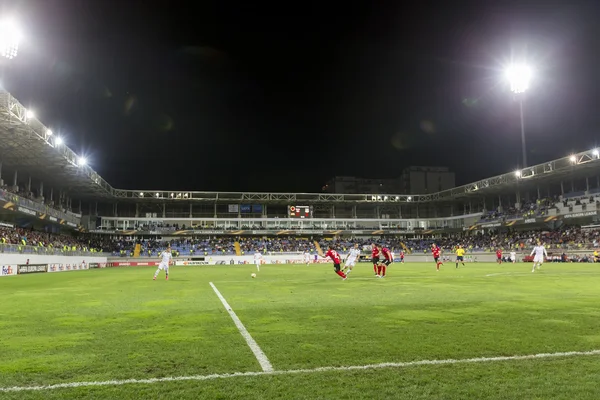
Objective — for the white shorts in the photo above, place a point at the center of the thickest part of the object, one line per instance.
(351, 262)
(512, 259)
(538, 259)
(164, 266)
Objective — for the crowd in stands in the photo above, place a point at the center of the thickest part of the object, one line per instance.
(531, 209)
(563, 239)
(567, 238)
(539, 207)
(25, 239)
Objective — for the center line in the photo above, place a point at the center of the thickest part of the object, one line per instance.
(264, 362)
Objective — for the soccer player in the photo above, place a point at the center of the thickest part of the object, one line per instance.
(540, 253)
(353, 256)
(387, 260)
(513, 256)
(307, 258)
(375, 258)
(435, 251)
(460, 256)
(402, 256)
(167, 259)
(257, 258)
(335, 257)
(499, 255)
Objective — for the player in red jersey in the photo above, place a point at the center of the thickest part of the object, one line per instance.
(499, 255)
(435, 250)
(375, 258)
(387, 260)
(402, 256)
(335, 257)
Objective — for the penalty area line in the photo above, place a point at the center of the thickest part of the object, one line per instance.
(261, 357)
(479, 360)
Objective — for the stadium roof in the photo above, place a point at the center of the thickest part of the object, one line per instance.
(28, 146)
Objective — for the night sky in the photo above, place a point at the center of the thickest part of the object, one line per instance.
(232, 97)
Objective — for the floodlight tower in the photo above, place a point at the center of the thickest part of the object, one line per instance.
(519, 77)
(10, 36)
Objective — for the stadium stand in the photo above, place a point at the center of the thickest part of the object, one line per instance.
(565, 238)
(21, 240)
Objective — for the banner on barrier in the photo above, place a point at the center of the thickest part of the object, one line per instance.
(67, 267)
(133, 264)
(184, 263)
(8, 270)
(31, 268)
(97, 265)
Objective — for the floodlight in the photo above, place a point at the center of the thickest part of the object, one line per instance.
(82, 161)
(30, 114)
(49, 132)
(519, 77)
(409, 198)
(518, 174)
(10, 36)
(141, 194)
(573, 159)
(157, 194)
(58, 140)
(595, 153)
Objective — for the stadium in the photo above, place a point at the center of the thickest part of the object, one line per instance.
(214, 328)
(391, 282)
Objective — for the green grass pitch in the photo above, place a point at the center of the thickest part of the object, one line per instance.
(117, 324)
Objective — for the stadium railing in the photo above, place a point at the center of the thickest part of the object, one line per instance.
(39, 207)
(46, 251)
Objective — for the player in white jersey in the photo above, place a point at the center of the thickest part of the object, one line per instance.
(166, 259)
(257, 258)
(513, 256)
(352, 258)
(307, 258)
(538, 258)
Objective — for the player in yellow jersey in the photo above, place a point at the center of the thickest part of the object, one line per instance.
(596, 256)
(460, 256)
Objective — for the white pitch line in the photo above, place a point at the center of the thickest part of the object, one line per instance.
(264, 362)
(300, 371)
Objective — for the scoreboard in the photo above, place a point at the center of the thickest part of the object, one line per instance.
(300, 211)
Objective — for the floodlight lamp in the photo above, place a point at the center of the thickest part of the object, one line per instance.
(409, 198)
(157, 194)
(82, 161)
(10, 36)
(596, 153)
(141, 194)
(519, 77)
(58, 141)
(518, 174)
(373, 198)
(48, 132)
(573, 159)
(30, 114)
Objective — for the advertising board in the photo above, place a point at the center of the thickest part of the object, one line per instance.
(31, 268)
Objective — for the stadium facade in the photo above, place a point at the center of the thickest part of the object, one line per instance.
(45, 182)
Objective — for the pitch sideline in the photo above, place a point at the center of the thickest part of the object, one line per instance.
(300, 371)
(261, 357)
